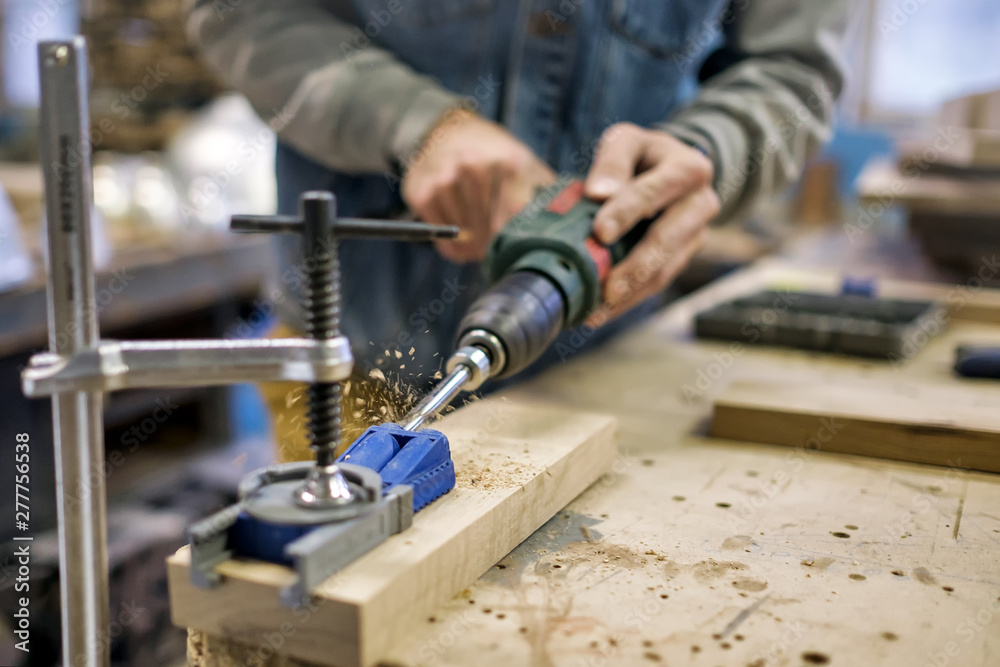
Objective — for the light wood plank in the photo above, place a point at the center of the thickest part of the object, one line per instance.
(884, 183)
(942, 425)
(517, 466)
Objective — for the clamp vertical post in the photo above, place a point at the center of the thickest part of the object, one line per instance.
(78, 427)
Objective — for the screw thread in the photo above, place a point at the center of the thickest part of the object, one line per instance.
(322, 310)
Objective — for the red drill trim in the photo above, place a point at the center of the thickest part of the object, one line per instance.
(564, 202)
(601, 256)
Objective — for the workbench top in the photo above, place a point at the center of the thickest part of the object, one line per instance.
(695, 551)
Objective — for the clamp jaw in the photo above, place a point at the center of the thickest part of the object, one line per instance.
(393, 474)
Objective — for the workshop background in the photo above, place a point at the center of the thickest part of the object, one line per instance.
(165, 135)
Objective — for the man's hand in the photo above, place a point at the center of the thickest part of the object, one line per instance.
(639, 173)
(474, 174)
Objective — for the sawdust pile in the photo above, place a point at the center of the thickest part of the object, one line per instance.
(206, 650)
(493, 474)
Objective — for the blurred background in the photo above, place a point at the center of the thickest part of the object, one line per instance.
(175, 155)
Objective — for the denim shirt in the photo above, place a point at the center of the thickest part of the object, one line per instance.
(353, 86)
(556, 73)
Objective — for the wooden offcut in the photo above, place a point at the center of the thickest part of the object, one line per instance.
(958, 427)
(516, 467)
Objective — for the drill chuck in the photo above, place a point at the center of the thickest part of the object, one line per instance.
(514, 322)
(506, 329)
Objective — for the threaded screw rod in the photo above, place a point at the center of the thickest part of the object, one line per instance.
(322, 317)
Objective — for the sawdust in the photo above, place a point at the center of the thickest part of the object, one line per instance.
(377, 400)
(750, 585)
(709, 570)
(737, 542)
(493, 474)
(604, 551)
(205, 650)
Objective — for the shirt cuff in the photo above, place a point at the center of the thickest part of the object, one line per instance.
(422, 114)
(724, 141)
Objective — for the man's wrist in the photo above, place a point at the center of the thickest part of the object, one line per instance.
(701, 142)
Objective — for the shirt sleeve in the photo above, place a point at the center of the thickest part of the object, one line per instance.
(767, 96)
(318, 82)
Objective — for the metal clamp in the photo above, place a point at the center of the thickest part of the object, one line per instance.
(117, 365)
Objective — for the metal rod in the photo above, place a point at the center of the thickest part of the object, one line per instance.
(77, 420)
(438, 398)
(347, 228)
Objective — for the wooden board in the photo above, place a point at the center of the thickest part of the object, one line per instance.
(516, 467)
(963, 148)
(882, 183)
(921, 424)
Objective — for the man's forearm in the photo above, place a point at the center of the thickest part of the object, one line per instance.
(771, 109)
(329, 92)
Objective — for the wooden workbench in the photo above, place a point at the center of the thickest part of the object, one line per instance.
(694, 551)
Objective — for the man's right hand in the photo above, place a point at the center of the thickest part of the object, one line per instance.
(472, 173)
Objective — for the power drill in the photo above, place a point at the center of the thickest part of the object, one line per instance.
(546, 271)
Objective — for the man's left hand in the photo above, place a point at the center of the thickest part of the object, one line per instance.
(641, 173)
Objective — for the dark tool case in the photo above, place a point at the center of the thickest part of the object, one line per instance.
(849, 324)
